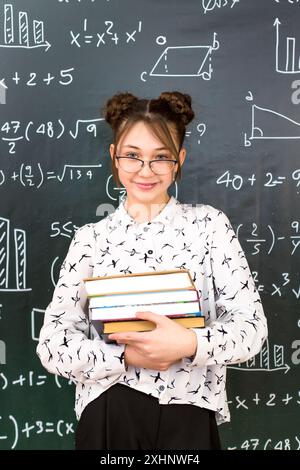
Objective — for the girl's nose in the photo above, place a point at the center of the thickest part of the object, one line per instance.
(146, 170)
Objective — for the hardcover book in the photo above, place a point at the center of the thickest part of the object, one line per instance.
(114, 300)
(139, 282)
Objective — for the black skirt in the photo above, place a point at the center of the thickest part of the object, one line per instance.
(123, 418)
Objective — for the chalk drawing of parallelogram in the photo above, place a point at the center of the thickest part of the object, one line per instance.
(184, 61)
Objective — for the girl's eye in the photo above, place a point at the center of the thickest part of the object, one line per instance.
(132, 155)
(162, 157)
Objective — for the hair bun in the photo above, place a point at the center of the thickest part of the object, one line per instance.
(180, 104)
(117, 106)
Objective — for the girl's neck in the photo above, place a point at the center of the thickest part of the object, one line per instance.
(145, 211)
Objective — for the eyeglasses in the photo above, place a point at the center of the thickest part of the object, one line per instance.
(159, 167)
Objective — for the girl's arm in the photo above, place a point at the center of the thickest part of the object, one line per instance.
(241, 326)
(64, 347)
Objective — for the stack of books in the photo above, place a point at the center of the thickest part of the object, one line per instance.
(114, 300)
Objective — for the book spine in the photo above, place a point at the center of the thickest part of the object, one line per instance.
(145, 325)
(159, 278)
(101, 298)
(199, 300)
(179, 315)
(99, 313)
(145, 305)
(141, 291)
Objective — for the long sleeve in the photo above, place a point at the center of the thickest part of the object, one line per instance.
(241, 327)
(64, 347)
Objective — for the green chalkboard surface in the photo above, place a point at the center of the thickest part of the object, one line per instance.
(60, 61)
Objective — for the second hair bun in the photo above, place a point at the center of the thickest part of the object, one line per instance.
(180, 104)
(117, 106)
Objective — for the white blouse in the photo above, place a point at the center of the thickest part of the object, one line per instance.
(199, 238)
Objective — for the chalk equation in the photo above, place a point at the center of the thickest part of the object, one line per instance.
(264, 400)
(286, 284)
(13, 132)
(238, 182)
(35, 176)
(273, 239)
(285, 443)
(103, 38)
(63, 229)
(16, 431)
(210, 5)
(201, 129)
(30, 379)
(33, 79)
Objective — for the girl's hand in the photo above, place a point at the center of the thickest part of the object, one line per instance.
(133, 358)
(157, 349)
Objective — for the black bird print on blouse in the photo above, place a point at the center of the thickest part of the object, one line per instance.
(199, 238)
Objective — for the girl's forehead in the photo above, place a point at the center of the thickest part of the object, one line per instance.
(139, 132)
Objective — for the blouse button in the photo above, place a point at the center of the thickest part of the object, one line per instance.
(161, 388)
(150, 252)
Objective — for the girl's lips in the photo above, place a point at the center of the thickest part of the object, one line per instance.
(146, 186)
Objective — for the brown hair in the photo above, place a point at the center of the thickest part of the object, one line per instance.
(123, 110)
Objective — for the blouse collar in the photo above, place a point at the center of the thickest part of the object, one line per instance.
(165, 216)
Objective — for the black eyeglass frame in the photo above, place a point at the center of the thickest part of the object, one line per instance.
(118, 157)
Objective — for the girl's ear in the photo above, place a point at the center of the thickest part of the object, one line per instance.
(111, 150)
(182, 155)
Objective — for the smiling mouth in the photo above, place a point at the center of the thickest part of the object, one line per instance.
(145, 186)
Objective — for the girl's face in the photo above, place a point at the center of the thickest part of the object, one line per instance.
(140, 142)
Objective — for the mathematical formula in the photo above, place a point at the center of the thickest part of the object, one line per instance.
(15, 131)
(271, 239)
(267, 399)
(286, 443)
(31, 379)
(33, 79)
(103, 38)
(15, 431)
(30, 176)
(238, 182)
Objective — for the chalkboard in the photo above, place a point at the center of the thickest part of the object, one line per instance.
(60, 61)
